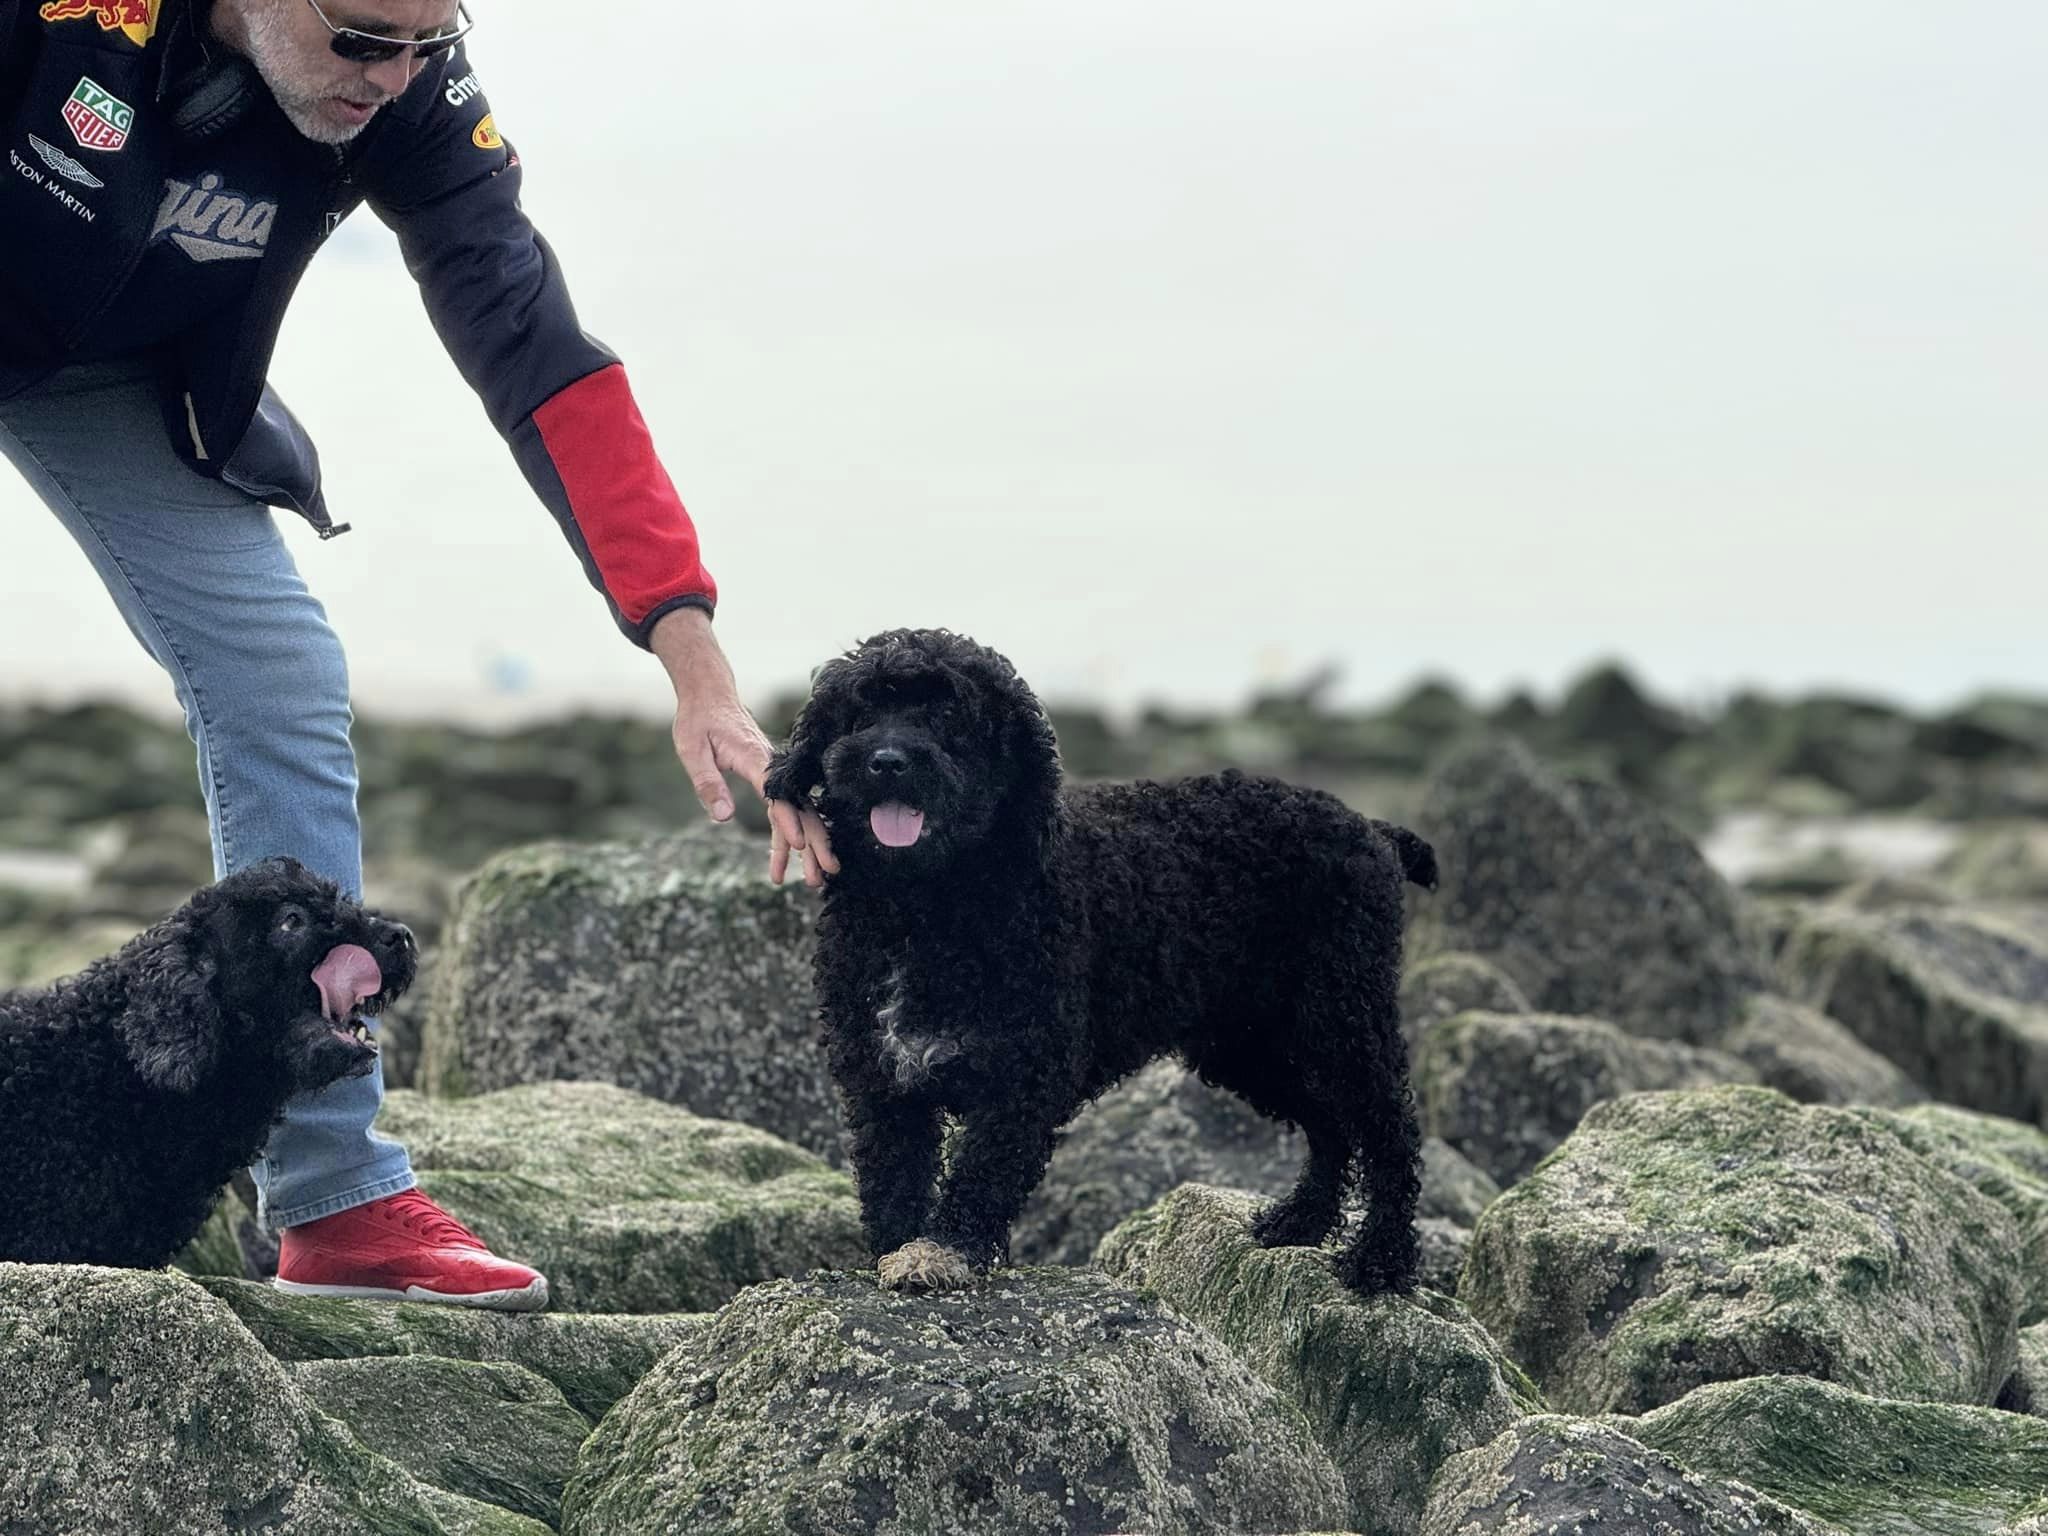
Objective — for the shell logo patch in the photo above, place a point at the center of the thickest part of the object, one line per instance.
(133, 19)
(486, 135)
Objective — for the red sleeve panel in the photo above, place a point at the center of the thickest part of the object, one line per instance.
(617, 505)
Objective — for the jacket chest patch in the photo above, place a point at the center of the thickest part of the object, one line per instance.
(97, 118)
(210, 222)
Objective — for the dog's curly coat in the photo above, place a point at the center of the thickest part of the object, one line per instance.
(1001, 949)
(131, 1092)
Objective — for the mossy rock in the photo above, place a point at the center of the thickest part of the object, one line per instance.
(1163, 1127)
(1956, 998)
(1871, 1466)
(1044, 1401)
(2027, 1389)
(496, 1433)
(1810, 1057)
(1392, 1386)
(1441, 986)
(1593, 902)
(1550, 1476)
(1506, 1088)
(2002, 1159)
(625, 1204)
(136, 1402)
(670, 967)
(2000, 862)
(1682, 1238)
(593, 1359)
(1454, 1187)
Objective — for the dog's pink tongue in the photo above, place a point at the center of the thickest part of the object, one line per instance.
(895, 824)
(347, 976)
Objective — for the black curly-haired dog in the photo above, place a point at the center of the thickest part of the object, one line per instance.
(130, 1092)
(1002, 949)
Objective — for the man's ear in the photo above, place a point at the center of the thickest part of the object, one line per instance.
(171, 1023)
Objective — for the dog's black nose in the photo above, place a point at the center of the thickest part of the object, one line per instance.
(887, 763)
(396, 939)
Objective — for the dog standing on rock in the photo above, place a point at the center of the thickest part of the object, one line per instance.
(1002, 949)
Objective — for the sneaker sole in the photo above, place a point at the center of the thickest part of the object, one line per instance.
(526, 1298)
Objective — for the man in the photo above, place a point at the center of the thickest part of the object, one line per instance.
(173, 165)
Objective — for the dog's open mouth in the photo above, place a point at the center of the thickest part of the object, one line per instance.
(895, 824)
(351, 988)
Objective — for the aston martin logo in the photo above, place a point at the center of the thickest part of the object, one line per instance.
(64, 165)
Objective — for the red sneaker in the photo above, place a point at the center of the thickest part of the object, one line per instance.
(403, 1248)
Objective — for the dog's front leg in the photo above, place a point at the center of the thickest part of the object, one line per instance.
(999, 1158)
(894, 1144)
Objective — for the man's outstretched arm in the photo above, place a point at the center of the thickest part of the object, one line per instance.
(440, 175)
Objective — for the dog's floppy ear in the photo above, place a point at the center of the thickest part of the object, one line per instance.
(799, 767)
(171, 1023)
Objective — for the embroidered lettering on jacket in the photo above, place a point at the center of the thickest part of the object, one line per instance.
(208, 223)
(51, 185)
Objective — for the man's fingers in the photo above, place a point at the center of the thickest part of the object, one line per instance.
(694, 748)
(743, 750)
(778, 853)
(817, 842)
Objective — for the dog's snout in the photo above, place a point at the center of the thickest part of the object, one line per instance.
(888, 763)
(396, 939)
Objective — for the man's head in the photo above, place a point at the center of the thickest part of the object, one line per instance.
(293, 44)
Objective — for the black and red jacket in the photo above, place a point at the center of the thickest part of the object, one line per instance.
(432, 167)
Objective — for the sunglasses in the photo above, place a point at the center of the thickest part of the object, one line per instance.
(360, 47)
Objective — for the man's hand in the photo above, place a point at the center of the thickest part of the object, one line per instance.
(714, 736)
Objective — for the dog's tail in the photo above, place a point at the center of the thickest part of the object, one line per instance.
(1418, 859)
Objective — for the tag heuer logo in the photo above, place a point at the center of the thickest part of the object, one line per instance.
(97, 119)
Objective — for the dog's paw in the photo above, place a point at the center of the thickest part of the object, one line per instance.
(923, 1265)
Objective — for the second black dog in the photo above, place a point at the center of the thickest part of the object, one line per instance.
(131, 1092)
(1003, 949)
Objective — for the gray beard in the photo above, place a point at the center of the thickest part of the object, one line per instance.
(267, 45)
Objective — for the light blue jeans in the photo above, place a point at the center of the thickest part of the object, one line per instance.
(203, 578)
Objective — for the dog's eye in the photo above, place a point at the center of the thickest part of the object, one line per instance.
(291, 920)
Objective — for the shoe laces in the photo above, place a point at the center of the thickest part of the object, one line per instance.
(416, 1213)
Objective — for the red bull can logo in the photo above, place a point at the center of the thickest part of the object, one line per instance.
(134, 19)
(97, 118)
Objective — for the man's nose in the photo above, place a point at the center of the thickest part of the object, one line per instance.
(392, 76)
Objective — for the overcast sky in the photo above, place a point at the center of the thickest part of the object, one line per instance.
(1177, 347)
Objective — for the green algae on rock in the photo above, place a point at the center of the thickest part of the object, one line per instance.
(1440, 986)
(593, 1359)
(1045, 1401)
(1550, 1474)
(1956, 998)
(1872, 1466)
(670, 967)
(136, 1402)
(1595, 903)
(1392, 1386)
(492, 1432)
(625, 1204)
(1682, 1238)
(1504, 1089)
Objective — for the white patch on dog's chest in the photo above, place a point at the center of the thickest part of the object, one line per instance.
(910, 1058)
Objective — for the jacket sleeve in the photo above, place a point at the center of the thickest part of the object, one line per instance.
(439, 174)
